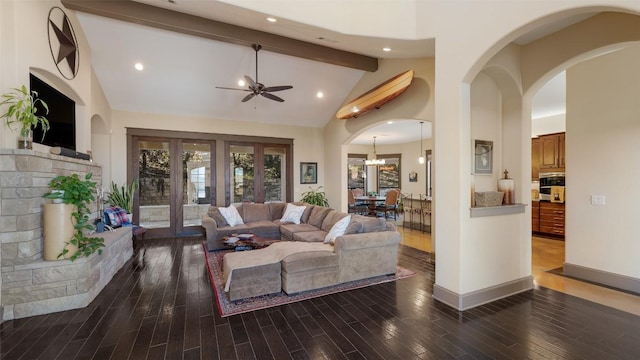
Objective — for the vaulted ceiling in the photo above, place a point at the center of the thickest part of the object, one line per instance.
(188, 48)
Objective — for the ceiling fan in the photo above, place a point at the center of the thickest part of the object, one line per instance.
(256, 88)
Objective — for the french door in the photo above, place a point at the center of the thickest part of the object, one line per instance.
(177, 184)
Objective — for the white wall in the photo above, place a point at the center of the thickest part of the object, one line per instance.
(602, 151)
(548, 125)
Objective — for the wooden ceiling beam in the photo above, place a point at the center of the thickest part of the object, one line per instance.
(160, 18)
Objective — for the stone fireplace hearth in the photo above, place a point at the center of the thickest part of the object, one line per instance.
(30, 285)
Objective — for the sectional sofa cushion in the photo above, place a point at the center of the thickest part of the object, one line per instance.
(331, 219)
(354, 227)
(318, 213)
(214, 213)
(370, 224)
(276, 209)
(256, 212)
(288, 229)
(310, 236)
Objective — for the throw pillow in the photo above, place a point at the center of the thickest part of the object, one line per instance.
(116, 216)
(337, 229)
(231, 215)
(293, 213)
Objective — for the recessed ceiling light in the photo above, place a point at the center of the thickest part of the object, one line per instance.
(389, 122)
(386, 49)
(138, 66)
(320, 94)
(272, 19)
(241, 82)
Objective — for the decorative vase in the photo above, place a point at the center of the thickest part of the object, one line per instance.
(58, 230)
(26, 139)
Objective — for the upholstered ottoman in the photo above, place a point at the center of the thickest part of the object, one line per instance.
(309, 270)
(252, 281)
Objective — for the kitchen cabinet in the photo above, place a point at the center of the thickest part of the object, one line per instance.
(552, 218)
(552, 152)
(535, 216)
(535, 158)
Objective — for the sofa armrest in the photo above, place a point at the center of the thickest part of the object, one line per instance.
(211, 230)
(367, 240)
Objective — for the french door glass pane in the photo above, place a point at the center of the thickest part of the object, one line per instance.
(196, 180)
(242, 173)
(274, 170)
(155, 176)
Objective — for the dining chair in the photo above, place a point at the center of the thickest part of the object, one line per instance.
(390, 203)
(353, 206)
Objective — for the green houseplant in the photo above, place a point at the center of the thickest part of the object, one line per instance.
(22, 110)
(315, 197)
(79, 193)
(123, 196)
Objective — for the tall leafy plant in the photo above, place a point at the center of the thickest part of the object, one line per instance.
(73, 190)
(123, 196)
(22, 110)
(315, 197)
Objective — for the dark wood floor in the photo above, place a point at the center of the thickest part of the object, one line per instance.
(160, 305)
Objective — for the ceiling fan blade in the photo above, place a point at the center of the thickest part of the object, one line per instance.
(228, 88)
(248, 97)
(249, 80)
(278, 88)
(272, 97)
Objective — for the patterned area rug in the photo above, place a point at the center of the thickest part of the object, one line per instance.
(228, 307)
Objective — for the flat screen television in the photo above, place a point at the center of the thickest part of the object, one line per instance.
(62, 116)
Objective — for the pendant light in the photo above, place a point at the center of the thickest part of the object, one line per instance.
(375, 161)
(421, 158)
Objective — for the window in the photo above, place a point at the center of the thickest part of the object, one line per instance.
(357, 172)
(389, 173)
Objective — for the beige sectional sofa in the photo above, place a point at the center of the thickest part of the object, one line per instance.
(302, 261)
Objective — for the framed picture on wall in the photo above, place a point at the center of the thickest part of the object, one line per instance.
(483, 157)
(413, 176)
(308, 173)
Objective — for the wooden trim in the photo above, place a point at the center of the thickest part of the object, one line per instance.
(165, 19)
(206, 136)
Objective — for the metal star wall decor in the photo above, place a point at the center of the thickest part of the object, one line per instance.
(63, 43)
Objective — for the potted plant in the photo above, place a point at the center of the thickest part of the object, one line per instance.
(76, 195)
(22, 110)
(123, 196)
(315, 197)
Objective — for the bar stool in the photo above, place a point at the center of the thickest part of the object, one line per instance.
(407, 208)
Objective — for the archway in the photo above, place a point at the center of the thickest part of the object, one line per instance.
(532, 65)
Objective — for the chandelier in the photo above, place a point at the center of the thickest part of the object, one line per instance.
(375, 161)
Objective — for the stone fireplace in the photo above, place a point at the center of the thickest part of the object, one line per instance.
(30, 285)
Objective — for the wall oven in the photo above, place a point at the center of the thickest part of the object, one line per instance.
(547, 180)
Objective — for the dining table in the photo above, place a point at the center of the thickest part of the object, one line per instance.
(371, 202)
